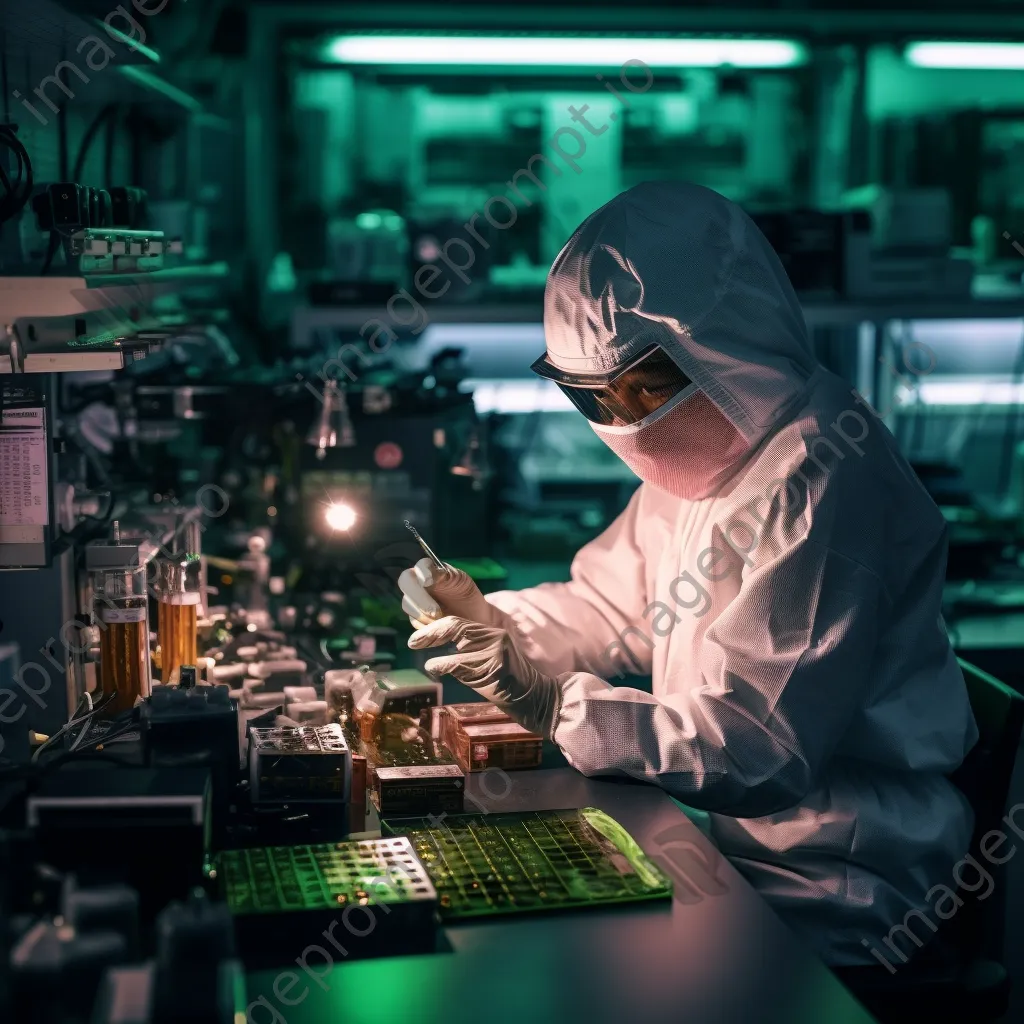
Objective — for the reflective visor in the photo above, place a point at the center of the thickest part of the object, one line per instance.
(622, 396)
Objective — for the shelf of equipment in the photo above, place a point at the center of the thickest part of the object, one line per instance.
(98, 322)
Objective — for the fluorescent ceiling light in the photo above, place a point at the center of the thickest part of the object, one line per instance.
(979, 56)
(548, 51)
(517, 396)
(964, 392)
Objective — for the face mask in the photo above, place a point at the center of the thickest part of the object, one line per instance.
(689, 450)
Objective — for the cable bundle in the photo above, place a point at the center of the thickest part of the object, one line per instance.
(14, 195)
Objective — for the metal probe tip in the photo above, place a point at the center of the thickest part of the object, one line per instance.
(438, 564)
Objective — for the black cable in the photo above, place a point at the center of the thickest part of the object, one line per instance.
(51, 251)
(198, 42)
(90, 528)
(89, 137)
(3, 77)
(78, 755)
(34, 769)
(62, 125)
(33, 772)
(74, 435)
(77, 718)
(90, 747)
(136, 148)
(102, 741)
(78, 740)
(108, 151)
(17, 193)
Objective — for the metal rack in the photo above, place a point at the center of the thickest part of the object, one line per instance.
(99, 322)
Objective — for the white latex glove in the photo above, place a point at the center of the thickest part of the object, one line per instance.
(487, 660)
(428, 595)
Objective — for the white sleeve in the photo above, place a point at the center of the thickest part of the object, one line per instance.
(581, 625)
(778, 680)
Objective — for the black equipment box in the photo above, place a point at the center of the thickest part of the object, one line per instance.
(148, 828)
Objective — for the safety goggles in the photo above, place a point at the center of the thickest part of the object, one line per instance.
(623, 396)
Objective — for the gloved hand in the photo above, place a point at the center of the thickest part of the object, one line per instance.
(488, 661)
(429, 595)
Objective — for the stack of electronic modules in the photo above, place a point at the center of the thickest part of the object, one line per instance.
(303, 764)
(482, 736)
(388, 734)
(417, 751)
(387, 720)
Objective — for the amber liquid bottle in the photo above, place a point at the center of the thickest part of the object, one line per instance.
(178, 595)
(123, 620)
(176, 636)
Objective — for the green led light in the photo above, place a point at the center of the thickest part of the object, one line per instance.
(549, 51)
(369, 221)
(965, 56)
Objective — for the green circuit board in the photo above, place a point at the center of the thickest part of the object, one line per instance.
(487, 864)
(292, 879)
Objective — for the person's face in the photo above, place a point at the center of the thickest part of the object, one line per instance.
(621, 397)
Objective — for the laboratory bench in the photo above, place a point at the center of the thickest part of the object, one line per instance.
(985, 621)
(715, 953)
(995, 643)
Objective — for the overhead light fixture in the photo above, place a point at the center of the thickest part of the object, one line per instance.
(966, 56)
(565, 51)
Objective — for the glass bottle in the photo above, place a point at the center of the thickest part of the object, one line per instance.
(121, 611)
(178, 594)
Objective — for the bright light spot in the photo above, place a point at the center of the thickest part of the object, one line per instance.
(427, 249)
(251, 627)
(369, 221)
(562, 51)
(966, 55)
(340, 517)
(272, 511)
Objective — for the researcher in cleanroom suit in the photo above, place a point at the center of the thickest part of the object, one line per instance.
(778, 573)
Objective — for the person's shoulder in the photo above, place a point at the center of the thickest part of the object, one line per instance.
(833, 473)
(838, 440)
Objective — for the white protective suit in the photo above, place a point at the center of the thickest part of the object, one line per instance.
(804, 689)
